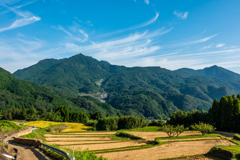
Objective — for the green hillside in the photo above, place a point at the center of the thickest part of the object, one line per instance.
(143, 91)
(18, 93)
(213, 71)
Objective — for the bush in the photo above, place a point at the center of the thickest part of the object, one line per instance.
(52, 154)
(203, 127)
(127, 135)
(107, 123)
(237, 137)
(157, 123)
(172, 131)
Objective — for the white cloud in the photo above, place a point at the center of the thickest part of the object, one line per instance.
(83, 33)
(120, 50)
(27, 18)
(74, 35)
(144, 24)
(147, 2)
(207, 47)
(220, 45)
(181, 14)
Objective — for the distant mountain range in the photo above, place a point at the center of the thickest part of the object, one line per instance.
(143, 91)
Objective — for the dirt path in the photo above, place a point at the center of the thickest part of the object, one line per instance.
(152, 135)
(1, 152)
(169, 150)
(227, 134)
(16, 134)
(28, 152)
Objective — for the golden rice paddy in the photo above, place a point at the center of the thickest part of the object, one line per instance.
(72, 127)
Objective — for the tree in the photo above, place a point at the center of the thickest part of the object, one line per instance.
(180, 129)
(64, 113)
(169, 129)
(24, 112)
(203, 127)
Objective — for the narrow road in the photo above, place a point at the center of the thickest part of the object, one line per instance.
(28, 152)
(25, 152)
(2, 151)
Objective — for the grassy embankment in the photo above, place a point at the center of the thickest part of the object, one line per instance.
(8, 127)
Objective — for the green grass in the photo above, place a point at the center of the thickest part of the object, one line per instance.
(8, 125)
(191, 136)
(79, 155)
(127, 135)
(234, 148)
(34, 133)
(183, 156)
(146, 129)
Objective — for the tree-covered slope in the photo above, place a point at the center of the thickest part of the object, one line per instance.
(213, 71)
(129, 89)
(18, 93)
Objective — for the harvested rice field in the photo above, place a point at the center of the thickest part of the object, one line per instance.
(78, 138)
(82, 142)
(126, 149)
(105, 145)
(186, 139)
(74, 135)
(91, 133)
(152, 135)
(169, 150)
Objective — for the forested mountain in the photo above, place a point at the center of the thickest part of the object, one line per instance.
(18, 93)
(148, 91)
(214, 72)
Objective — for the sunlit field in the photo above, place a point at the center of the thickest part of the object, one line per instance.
(72, 127)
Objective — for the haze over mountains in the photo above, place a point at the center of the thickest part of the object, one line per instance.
(142, 91)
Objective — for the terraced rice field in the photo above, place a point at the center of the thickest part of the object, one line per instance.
(89, 141)
(169, 150)
(152, 135)
(126, 149)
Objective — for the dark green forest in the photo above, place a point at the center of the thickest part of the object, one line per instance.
(151, 92)
(224, 115)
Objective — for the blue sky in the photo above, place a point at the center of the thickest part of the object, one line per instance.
(171, 34)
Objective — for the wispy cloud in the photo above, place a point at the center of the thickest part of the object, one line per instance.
(182, 15)
(147, 2)
(207, 47)
(120, 50)
(89, 23)
(152, 20)
(73, 34)
(220, 45)
(196, 41)
(27, 18)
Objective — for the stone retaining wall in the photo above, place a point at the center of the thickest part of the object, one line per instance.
(26, 141)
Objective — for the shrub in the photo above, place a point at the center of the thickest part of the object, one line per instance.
(157, 123)
(127, 135)
(203, 127)
(172, 131)
(237, 137)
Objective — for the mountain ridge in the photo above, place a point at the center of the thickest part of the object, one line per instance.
(161, 89)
